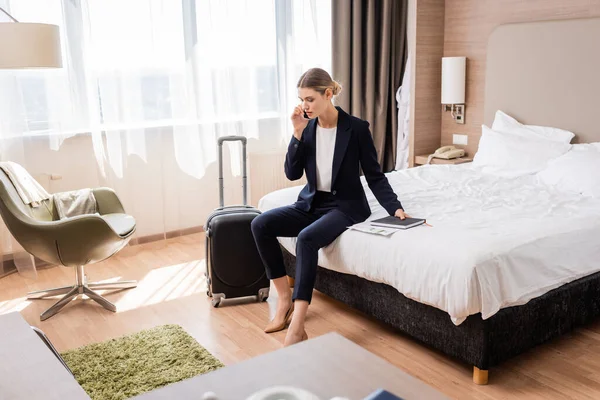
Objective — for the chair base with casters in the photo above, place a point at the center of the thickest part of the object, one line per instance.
(81, 287)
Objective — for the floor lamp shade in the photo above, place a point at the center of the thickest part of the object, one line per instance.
(453, 80)
(29, 45)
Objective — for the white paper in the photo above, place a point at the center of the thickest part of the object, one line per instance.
(376, 230)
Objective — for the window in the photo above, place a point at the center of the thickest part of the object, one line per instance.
(156, 96)
(35, 103)
(144, 62)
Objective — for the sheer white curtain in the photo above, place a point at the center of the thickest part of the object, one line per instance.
(148, 86)
(403, 100)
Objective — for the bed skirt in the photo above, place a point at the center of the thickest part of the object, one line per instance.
(478, 342)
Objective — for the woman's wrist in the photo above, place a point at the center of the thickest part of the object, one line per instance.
(298, 134)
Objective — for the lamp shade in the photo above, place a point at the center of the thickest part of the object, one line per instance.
(453, 80)
(29, 45)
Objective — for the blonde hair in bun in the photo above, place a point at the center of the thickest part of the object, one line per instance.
(319, 80)
(337, 88)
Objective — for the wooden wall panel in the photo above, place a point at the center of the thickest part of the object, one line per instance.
(467, 26)
(427, 67)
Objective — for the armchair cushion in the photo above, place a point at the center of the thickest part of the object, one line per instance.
(122, 224)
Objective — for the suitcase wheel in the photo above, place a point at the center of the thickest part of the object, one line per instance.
(263, 294)
(262, 297)
(216, 300)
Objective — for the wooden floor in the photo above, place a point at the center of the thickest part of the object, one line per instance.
(172, 291)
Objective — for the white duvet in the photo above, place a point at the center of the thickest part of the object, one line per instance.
(494, 242)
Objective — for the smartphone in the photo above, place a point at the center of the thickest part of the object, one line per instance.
(305, 115)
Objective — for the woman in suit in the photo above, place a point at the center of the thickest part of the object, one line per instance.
(330, 146)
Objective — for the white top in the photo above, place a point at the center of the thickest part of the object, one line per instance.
(325, 149)
(494, 242)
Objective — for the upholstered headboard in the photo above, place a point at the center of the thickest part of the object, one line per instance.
(547, 73)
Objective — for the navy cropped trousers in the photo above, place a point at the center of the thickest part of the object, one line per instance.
(314, 229)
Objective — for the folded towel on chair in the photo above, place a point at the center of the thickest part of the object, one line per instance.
(31, 192)
(76, 202)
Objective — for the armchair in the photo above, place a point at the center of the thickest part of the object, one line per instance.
(71, 242)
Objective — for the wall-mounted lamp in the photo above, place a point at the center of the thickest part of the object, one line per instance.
(453, 87)
(29, 45)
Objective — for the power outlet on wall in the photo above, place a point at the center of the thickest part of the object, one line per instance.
(460, 139)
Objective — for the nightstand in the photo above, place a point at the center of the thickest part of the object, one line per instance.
(422, 160)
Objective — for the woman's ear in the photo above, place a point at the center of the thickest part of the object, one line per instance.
(328, 93)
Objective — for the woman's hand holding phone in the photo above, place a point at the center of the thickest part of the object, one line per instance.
(299, 121)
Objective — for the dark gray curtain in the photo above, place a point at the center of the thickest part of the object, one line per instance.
(369, 55)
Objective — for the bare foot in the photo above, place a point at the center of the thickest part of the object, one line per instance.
(283, 305)
(294, 337)
(284, 311)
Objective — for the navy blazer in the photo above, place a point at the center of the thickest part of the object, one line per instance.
(354, 148)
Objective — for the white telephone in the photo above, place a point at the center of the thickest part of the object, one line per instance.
(447, 153)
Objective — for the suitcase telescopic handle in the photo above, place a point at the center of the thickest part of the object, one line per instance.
(244, 187)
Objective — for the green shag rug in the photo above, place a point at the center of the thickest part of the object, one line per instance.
(130, 365)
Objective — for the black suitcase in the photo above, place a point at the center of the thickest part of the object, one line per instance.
(233, 266)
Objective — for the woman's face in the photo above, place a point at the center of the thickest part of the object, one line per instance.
(313, 102)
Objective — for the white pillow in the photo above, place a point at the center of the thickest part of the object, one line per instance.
(577, 171)
(506, 123)
(510, 155)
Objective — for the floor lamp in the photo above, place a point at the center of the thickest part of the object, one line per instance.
(29, 45)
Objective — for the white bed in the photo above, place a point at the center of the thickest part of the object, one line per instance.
(494, 242)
